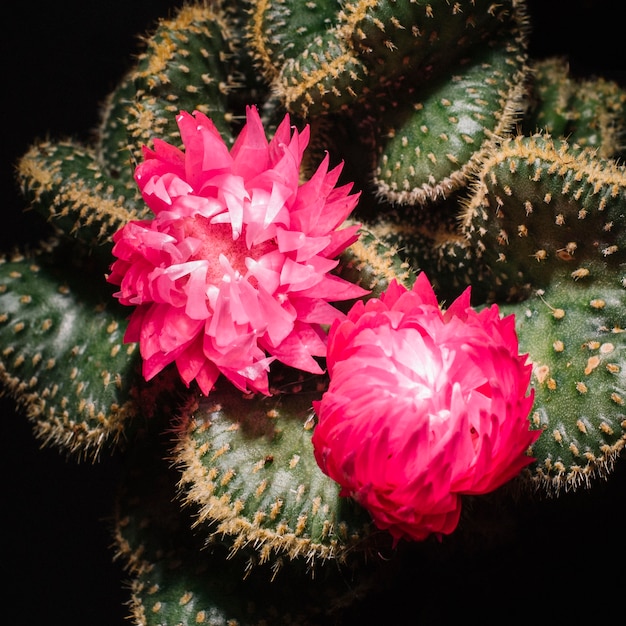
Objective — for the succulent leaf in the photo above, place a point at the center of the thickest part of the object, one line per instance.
(177, 577)
(186, 65)
(248, 468)
(590, 113)
(540, 204)
(373, 262)
(65, 182)
(63, 357)
(435, 136)
(575, 334)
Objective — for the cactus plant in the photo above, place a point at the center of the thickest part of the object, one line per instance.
(477, 164)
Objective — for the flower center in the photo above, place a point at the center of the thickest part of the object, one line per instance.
(217, 240)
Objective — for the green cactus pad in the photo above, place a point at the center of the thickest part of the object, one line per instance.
(327, 77)
(65, 182)
(436, 135)
(277, 30)
(590, 113)
(186, 65)
(575, 334)
(438, 250)
(539, 205)
(63, 357)
(248, 468)
(398, 38)
(373, 262)
(177, 578)
(89, 191)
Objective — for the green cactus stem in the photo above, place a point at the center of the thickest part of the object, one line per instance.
(278, 31)
(297, 48)
(372, 262)
(387, 66)
(65, 182)
(590, 113)
(575, 334)
(247, 467)
(63, 357)
(179, 578)
(88, 192)
(431, 138)
(434, 246)
(540, 204)
(325, 56)
(188, 63)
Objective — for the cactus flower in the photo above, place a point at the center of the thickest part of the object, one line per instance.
(423, 406)
(233, 271)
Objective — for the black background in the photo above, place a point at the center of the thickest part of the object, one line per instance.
(59, 60)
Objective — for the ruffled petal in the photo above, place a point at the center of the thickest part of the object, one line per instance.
(423, 407)
(234, 271)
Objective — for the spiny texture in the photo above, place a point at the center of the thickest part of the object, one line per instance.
(422, 102)
(429, 138)
(248, 469)
(575, 331)
(188, 62)
(63, 357)
(180, 576)
(235, 265)
(88, 191)
(65, 182)
(427, 87)
(588, 112)
(423, 406)
(540, 204)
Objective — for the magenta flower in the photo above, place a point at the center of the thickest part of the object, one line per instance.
(423, 406)
(233, 271)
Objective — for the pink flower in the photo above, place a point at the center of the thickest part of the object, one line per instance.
(233, 271)
(423, 406)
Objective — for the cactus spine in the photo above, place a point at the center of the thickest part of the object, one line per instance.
(477, 165)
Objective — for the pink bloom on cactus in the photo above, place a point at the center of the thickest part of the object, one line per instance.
(233, 271)
(423, 406)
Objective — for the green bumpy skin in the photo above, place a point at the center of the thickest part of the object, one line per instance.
(372, 263)
(66, 183)
(482, 236)
(247, 467)
(177, 577)
(88, 192)
(539, 205)
(590, 113)
(388, 66)
(431, 138)
(575, 334)
(398, 39)
(323, 56)
(188, 63)
(63, 357)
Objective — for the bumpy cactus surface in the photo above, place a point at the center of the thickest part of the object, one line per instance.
(477, 164)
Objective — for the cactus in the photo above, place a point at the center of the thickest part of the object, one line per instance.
(478, 165)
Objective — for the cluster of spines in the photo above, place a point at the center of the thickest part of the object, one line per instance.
(187, 64)
(88, 191)
(66, 183)
(540, 204)
(146, 102)
(388, 65)
(590, 113)
(178, 577)
(574, 333)
(428, 153)
(247, 468)
(63, 357)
